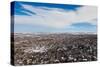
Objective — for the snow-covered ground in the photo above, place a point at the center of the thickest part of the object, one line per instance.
(36, 49)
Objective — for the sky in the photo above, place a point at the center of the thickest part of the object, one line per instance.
(46, 17)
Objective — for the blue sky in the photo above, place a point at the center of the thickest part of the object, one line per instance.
(45, 17)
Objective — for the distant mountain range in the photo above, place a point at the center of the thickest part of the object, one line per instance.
(43, 33)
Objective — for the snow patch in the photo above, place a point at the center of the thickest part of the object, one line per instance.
(36, 49)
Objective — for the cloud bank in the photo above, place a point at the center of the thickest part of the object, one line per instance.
(56, 17)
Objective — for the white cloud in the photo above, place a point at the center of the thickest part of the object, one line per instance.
(56, 17)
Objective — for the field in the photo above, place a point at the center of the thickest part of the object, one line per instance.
(31, 48)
